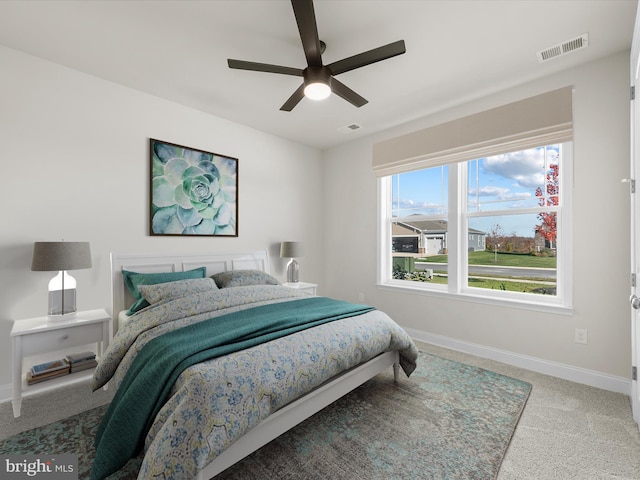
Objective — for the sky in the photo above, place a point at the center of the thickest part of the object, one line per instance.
(502, 182)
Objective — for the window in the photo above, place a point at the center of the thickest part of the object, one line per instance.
(497, 221)
(480, 206)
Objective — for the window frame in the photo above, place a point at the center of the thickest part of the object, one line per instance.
(458, 238)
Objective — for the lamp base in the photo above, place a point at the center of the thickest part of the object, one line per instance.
(62, 302)
(292, 271)
(54, 318)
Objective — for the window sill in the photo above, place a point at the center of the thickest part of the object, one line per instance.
(471, 298)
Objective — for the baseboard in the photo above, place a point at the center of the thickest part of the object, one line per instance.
(555, 369)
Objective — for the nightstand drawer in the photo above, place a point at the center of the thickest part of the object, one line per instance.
(61, 338)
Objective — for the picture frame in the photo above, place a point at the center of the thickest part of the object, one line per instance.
(193, 192)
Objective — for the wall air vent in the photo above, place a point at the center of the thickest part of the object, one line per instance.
(350, 128)
(563, 48)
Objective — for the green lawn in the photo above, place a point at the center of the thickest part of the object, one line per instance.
(503, 259)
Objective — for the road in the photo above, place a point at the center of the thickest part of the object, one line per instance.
(497, 271)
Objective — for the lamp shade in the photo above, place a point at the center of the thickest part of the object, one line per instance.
(291, 250)
(54, 256)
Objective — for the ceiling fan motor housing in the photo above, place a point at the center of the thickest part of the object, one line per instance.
(317, 75)
(317, 82)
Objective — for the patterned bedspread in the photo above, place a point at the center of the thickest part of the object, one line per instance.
(215, 402)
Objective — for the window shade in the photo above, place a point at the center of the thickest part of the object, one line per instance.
(541, 120)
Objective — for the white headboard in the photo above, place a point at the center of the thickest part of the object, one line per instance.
(121, 299)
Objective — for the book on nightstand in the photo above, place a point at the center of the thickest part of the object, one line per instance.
(48, 367)
(81, 361)
(80, 357)
(79, 366)
(47, 371)
(31, 378)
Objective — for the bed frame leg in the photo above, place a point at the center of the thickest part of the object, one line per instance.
(396, 372)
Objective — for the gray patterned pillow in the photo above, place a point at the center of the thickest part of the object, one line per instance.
(240, 278)
(171, 290)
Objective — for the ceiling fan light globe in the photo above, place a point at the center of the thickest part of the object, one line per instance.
(317, 91)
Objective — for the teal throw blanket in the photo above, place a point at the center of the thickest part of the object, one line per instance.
(148, 382)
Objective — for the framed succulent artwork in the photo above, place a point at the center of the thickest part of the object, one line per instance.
(193, 192)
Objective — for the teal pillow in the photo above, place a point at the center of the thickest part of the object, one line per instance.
(133, 279)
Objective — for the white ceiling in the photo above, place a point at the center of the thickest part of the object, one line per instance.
(456, 51)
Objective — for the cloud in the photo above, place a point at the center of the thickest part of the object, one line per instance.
(489, 191)
(407, 203)
(525, 167)
(500, 193)
(408, 206)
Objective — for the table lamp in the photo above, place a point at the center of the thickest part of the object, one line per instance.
(60, 257)
(292, 250)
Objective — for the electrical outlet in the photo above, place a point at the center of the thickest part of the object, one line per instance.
(581, 335)
(361, 297)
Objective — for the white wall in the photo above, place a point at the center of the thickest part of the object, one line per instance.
(75, 165)
(601, 235)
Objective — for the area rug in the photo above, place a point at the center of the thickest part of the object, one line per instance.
(448, 421)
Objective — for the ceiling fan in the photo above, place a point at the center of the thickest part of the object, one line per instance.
(319, 79)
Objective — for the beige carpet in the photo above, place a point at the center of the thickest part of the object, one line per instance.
(568, 431)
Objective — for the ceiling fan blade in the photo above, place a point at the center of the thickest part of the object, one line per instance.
(293, 99)
(306, 20)
(367, 58)
(345, 92)
(263, 67)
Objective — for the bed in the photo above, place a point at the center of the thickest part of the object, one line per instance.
(212, 409)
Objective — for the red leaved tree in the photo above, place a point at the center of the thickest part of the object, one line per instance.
(548, 228)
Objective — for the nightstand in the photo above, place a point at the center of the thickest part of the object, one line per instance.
(35, 336)
(309, 288)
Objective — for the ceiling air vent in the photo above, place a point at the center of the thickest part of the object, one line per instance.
(350, 128)
(563, 48)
